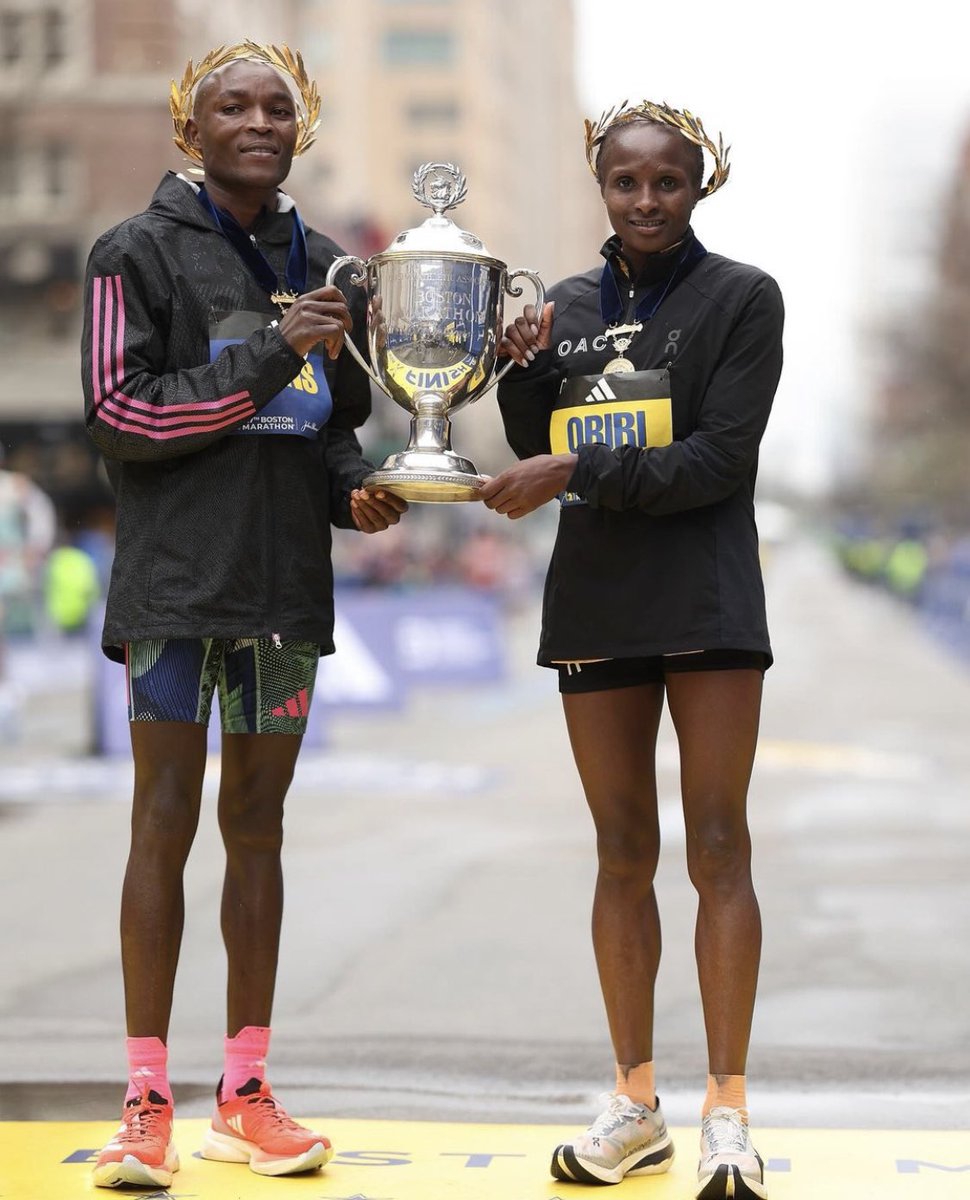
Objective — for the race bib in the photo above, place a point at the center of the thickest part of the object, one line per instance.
(630, 409)
(302, 408)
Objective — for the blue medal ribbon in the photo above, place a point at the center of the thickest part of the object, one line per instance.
(612, 304)
(297, 261)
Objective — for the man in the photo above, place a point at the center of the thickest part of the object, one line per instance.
(217, 388)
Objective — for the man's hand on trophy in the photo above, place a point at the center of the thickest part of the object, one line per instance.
(528, 484)
(318, 316)
(525, 335)
(375, 510)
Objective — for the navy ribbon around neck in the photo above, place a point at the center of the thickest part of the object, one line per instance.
(297, 262)
(613, 304)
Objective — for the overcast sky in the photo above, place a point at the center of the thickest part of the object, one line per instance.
(844, 120)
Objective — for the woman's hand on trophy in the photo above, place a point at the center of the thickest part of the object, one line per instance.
(527, 334)
(528, 485)
(318, 316)
(373, 511)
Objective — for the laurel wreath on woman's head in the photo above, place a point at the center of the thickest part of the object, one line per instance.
(182, 96)
(683, 121)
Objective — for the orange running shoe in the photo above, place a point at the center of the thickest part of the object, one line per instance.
(142, 1151)
(254, 1127)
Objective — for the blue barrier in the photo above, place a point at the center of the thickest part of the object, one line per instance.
(387, 642)
(944, 604)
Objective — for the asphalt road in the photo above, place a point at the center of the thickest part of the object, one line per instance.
(436, 961)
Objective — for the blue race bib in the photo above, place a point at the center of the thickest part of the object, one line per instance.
(302, 408)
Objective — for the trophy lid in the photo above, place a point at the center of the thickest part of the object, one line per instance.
(438, 186)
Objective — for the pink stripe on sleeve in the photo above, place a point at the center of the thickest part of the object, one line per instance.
(216, 419)
(96, 340)
(164, 434)
(120, 338)
(106, 337)
(162, 412)
(145, 417)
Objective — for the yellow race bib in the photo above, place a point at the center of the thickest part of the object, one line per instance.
(631, 409)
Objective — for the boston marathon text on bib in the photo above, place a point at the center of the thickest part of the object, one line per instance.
(631, 409)
(302, 408)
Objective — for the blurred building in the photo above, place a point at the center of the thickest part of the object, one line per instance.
(82, 93)
(488, 84)
(920, 439)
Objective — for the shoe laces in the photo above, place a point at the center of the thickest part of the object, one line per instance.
(726, 1131)
(267, 1110)
(616, 1114)
(143, 1119)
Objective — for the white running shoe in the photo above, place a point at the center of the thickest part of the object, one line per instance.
(730, 1168)
(625, 1139)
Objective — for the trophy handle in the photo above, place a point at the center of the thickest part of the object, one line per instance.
(360, 279)
(536, 282)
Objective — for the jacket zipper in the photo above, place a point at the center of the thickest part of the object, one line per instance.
(274, 616)
(271, 540)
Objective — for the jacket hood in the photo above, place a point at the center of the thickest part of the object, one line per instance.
(176, 198)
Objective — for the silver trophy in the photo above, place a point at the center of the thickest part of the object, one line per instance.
(434, 323)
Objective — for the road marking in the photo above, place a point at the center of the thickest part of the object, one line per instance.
(111, 778)
(833, 758)
(49, 1161)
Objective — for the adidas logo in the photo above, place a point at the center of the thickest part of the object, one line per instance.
(602, 391)
(296, 706)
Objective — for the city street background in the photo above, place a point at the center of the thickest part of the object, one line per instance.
(436, 958)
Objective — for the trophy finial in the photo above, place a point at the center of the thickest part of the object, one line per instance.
(439, 186)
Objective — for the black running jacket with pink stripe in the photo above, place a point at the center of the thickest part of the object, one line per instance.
(218, 535)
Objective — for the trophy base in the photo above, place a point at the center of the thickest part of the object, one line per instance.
(427, 487)
(428, 475)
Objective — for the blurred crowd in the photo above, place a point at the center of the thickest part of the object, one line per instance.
(56, 554)
(917, 561)
(55, 564)
(55, 560)
(460, 545)
(53, 571)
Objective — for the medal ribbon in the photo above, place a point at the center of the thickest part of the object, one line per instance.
(297, 262)
(611, 301)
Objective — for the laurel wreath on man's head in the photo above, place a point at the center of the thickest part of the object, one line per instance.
(182, 96)
(683, 121)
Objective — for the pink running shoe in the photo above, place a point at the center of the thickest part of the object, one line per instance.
(253, 1127)
(142, 1151)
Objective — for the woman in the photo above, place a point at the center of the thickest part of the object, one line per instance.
(218, 390)
(644, 392)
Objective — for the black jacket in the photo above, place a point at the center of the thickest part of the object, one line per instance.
(218, 535)
(663, 556)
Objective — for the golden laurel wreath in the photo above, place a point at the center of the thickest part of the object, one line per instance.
(683, 121)
(281, 57)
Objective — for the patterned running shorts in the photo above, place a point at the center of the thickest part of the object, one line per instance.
(264, 687)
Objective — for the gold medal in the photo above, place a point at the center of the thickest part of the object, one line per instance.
(283, 299)
(621, 336)
(618, 366)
